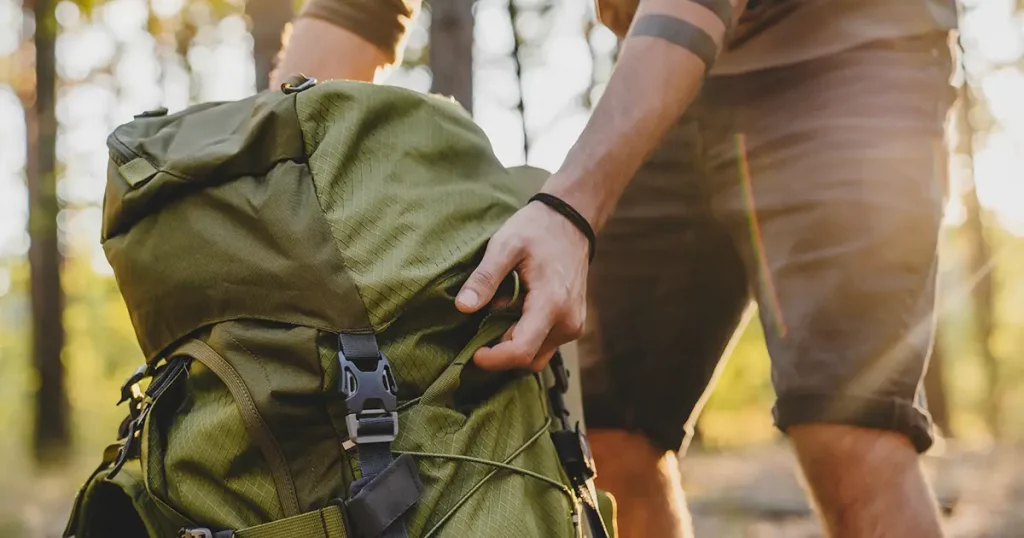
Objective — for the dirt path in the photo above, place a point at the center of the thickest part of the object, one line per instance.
(754, 493)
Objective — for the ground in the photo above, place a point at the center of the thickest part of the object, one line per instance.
(749, 493)
(754, 493)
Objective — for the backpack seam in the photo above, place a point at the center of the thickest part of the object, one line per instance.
(369, 329)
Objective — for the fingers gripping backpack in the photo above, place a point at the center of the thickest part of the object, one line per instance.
(289, 262)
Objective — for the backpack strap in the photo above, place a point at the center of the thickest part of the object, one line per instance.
(388, 488)
(328, 522)
(574, 450)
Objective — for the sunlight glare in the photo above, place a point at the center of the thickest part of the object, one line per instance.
(166, 8)
(67, 14)
(126, 19)
(1000, 187)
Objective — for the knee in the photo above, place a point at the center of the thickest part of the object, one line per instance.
(624, 457)
(845, 466)
(865, 482)
(834, 446)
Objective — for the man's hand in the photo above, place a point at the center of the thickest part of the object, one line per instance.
(657, 76)
(552, 257)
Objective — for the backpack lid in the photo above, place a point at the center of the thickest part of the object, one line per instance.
(331, 208)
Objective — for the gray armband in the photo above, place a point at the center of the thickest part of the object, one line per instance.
(678, 32)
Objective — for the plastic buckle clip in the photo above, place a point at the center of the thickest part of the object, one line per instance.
(371, 399)
(195, 533)
(574, 452)
(560, 372)
(128, 390)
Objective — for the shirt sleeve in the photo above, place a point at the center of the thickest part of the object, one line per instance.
(381, 22)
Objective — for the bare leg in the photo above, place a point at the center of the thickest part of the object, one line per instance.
(645, 482)
(865, 483)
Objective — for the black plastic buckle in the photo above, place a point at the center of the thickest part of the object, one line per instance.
(127, 389)
(560, 371)
(574, 452)
(371, 398)
(141, 406)
(131, 437)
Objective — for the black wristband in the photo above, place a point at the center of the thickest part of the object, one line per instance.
(570, 213)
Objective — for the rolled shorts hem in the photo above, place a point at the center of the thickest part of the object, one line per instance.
(890, 414)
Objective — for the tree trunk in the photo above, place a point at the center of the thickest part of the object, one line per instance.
(517, 46)
(451, 49)
(269, 18)
(51, 417)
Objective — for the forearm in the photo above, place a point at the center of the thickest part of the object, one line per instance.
(654, 82)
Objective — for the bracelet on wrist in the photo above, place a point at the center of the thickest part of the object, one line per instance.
(570, 213)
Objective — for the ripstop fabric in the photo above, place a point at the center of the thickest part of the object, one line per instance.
(244, 237)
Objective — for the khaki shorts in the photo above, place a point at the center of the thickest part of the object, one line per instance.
(818, 190)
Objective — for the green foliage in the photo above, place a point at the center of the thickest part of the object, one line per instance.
(738, 410)
(100, 353)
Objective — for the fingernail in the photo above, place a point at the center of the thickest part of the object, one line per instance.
(468, 298)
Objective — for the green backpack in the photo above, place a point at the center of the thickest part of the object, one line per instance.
(289, 262)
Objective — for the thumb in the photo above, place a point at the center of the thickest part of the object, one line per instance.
(499, 260)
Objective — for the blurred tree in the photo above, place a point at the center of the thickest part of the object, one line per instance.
(51, 435)
(267, 19)
(982, 295)
(451, 49)
(517, 45)
(979, 258)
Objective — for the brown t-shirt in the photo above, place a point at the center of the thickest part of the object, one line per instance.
(381, 22)
(771, 33)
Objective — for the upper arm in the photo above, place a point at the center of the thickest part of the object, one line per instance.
(380, 22)
(618, 15)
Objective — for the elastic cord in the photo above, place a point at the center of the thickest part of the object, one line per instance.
(570, 213)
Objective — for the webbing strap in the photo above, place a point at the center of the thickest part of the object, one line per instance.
(573, 450)
(371, 400)
(377, 506)
(359, 346)
(373, 459)
(591, 510)
(136, 171)
(324, 523)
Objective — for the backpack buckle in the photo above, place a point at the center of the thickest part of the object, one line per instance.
(371, 398)
(195, 533)
(574, 452)
(130, 388)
